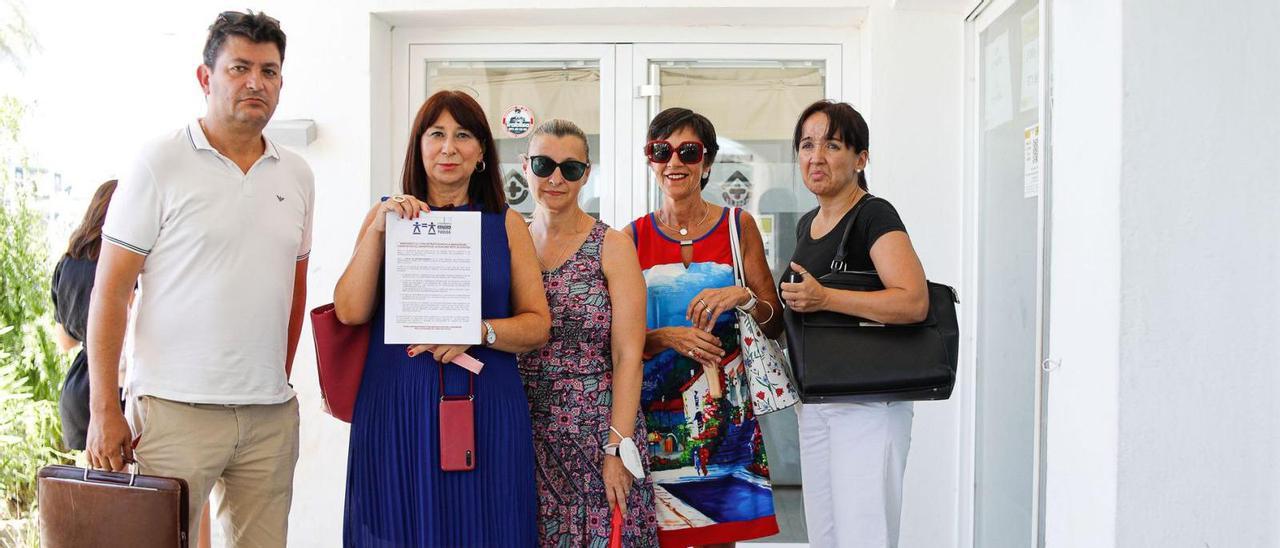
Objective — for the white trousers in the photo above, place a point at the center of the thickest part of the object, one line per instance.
(852, 457)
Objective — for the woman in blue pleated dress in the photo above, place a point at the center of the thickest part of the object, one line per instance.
(397, 493)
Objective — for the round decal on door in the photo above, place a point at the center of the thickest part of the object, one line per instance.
(736, 190)
(517, 120)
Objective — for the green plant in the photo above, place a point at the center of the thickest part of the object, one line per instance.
(31, 369)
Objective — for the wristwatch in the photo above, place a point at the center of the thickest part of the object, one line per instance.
(490, 336)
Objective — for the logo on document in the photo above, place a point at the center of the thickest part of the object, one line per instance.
(443, 227)
(279, 198)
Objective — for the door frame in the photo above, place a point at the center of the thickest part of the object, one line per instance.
(983, 14)
(644, 105)
(839, 28)
(410, 88)
(624, 109)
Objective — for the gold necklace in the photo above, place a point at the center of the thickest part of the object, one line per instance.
(564, 248)
(685, 230)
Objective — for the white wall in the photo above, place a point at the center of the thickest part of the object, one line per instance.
(914, 67)
(113, 76)
(1163, 428)
(1085, 275)
(1199, 452)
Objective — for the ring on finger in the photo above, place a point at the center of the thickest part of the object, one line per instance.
(399, 199)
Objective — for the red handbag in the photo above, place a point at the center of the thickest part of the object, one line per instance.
(340, 354)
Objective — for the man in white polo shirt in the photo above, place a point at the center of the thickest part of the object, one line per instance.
(217, 221)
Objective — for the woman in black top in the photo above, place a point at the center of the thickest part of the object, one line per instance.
(72, 284)
(852, 455)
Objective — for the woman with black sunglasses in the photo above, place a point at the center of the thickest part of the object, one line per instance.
(707, 452)
(584, 385)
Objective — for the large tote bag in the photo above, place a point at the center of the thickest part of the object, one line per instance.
(340, 354)
(766, 364)
(840, 358)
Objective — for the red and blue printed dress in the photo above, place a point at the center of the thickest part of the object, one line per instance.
(569, 383)
(711, 476)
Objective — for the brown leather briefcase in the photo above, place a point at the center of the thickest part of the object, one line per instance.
(80, 507)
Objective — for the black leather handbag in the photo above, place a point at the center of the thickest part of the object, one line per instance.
(841, 358)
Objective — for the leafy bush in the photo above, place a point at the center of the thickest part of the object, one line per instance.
(31, 369)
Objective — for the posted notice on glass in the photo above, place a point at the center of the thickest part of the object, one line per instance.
(433, 278)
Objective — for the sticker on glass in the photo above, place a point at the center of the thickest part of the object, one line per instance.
(517, 120)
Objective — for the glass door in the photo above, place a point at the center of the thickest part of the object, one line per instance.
(754, 102)
(1010, 225)
(520, 86)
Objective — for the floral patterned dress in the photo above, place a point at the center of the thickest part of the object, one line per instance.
(569, 384)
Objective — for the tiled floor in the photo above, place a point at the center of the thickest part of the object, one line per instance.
(788, 505)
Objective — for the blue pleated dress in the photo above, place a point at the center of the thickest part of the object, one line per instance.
(397, 496)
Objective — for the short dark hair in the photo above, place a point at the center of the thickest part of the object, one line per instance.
(485, 187)
(675, 119)
(256, 27)
(844, 122)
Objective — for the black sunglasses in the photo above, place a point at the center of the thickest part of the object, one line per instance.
(544, 166)
(660, 151)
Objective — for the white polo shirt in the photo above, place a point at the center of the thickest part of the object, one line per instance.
(212, 313)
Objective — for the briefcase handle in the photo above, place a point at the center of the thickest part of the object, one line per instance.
(117, 478)
(113, 478)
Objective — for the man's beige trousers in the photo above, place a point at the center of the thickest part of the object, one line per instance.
(243, 454)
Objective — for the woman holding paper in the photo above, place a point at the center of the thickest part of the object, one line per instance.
(398, 492)
(584, 385)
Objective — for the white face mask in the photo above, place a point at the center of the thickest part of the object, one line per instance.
(631, 457)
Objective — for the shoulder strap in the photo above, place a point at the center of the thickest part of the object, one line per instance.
(806, 221)
(838, 263)
(738, 277)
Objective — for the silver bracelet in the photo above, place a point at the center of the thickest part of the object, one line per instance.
(766, 320)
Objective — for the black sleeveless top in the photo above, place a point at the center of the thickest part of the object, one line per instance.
(71, 287)
(876, 218)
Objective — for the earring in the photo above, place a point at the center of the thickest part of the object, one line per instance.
(480, 166)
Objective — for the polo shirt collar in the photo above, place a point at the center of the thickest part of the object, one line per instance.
(200, 141)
